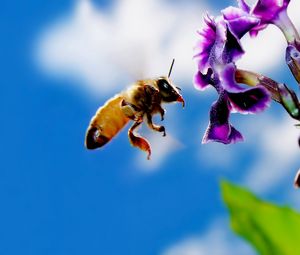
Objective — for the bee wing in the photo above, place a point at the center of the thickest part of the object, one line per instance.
(107, 122)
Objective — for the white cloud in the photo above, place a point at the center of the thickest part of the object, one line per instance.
(263, 53)
(133, 40)
(217, 240)
(276, 143)
(106, 50)
(161, 148)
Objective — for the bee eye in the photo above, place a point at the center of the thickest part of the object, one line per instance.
(163, 84)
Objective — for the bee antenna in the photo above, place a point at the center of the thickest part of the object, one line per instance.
(171, 67)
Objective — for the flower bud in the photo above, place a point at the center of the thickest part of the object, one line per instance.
(289, 100)
(292, 58)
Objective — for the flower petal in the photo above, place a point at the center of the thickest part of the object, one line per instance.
(235, 136)
(268, 10)
(254, 31)
(201, 81)
(232, 49)
(240, 22)
(227, 78)
(251, 100)
(219, 128)
(204, 46)
(243, 5)
(218, 134)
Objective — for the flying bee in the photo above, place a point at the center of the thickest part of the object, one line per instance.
(140, 101)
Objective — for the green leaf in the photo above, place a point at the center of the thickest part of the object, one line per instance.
(271, 229)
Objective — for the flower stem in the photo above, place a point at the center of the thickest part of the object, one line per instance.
(284, 23)
(254, 79)
(279, 92)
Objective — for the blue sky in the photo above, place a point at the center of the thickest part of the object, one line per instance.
(58, 198)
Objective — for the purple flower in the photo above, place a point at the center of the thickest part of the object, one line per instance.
(206, 43)
(270, 12)
(232, 98)
(267, 11)
(246, 101)
(239, 20)
(219, 42)
(219, 128)
(275, 12)
(216, 52)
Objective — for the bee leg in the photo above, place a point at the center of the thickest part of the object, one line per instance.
(138, 141)
(155, 127)
(131, 111)
(162, 113)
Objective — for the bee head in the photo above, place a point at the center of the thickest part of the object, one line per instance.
(169, 93)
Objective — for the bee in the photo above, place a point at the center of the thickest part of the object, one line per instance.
(140, 101)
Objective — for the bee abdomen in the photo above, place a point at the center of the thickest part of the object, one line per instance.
(107, 122)
(94, 139)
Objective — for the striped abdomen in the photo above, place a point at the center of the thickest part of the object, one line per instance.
(107, 122)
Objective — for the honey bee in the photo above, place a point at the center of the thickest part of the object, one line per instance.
(140, 101)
